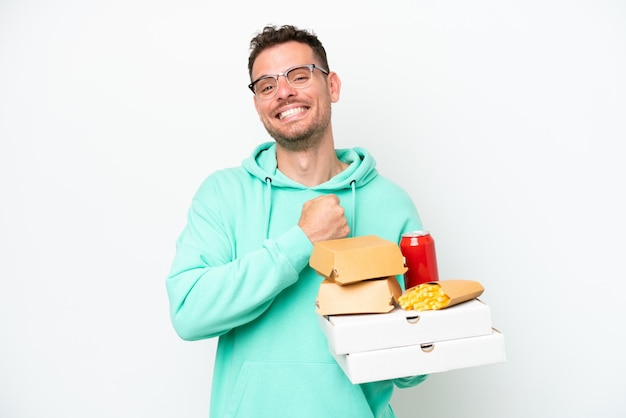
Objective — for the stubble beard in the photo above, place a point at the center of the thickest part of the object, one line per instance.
(302, 139)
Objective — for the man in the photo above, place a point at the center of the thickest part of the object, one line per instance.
(241, 268)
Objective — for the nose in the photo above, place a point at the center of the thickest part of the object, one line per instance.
(284, 89)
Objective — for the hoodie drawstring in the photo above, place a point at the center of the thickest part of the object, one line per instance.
(353, 216)
(268, 206)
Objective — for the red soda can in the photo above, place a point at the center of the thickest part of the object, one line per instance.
(418, 249)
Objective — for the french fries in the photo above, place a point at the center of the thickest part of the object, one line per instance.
(424, 297)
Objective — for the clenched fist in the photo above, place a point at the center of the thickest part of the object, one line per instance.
(323, 218)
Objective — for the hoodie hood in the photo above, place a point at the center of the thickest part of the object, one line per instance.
(361, 170)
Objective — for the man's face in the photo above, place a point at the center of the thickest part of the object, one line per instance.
(297, 118)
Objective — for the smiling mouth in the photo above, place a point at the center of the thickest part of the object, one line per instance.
(291, 112)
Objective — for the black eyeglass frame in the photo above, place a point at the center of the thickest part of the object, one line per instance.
(311, 67)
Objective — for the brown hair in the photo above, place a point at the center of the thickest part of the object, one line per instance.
(273, 35)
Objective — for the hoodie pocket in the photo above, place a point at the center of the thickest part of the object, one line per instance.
(295, 390)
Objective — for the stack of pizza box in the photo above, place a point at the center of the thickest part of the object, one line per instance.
(372, 338)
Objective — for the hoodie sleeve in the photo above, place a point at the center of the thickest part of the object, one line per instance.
(211, 291)
(407, 382)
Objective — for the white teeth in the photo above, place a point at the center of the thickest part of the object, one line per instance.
(290, 112)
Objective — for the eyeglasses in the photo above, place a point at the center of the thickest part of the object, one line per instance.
(298, 77)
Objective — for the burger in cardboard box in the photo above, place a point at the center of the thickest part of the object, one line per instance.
(368, 296)
(359, 275)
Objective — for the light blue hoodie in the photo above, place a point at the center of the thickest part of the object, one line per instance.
(241, 273)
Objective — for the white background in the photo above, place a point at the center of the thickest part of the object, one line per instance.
(504, 120)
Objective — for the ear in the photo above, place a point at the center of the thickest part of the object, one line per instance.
(334, 86)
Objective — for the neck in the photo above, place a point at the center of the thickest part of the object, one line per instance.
(310, 167)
